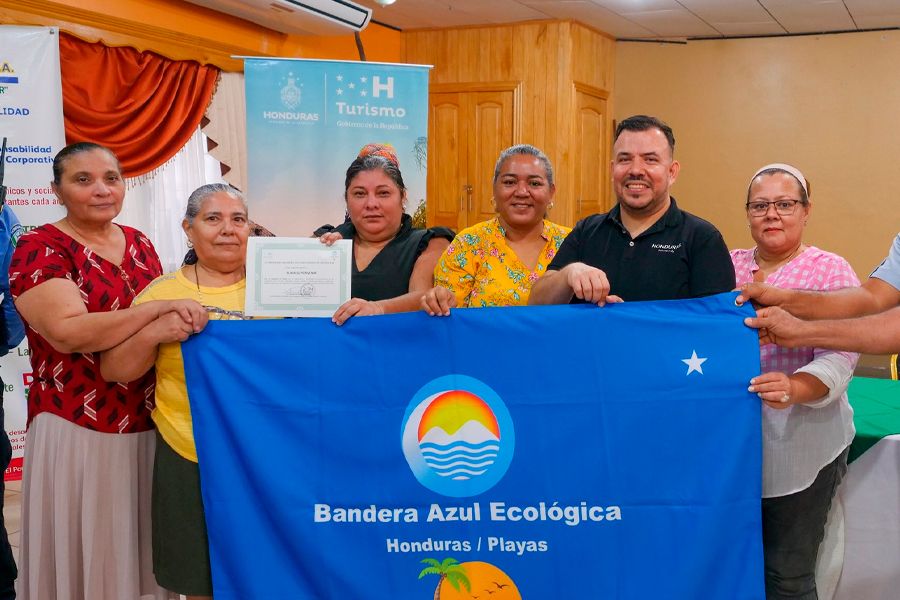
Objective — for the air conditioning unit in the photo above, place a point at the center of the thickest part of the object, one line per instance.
(304, 17)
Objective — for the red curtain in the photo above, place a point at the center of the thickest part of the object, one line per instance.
(140, 105)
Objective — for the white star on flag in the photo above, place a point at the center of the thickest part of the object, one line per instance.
(362, 93)
(694, 363)
(340, 91)
(340, 78)
(351, 85)
(362, 79)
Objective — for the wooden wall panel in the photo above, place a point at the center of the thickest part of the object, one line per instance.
(563, 210)
(501, 50)
(595, 58)
(546, 58)
(593, 73)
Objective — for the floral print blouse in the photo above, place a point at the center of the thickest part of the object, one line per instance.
(482, 270)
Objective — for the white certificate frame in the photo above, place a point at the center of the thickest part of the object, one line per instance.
(300, 299)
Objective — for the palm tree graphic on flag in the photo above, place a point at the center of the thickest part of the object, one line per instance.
(450, 570)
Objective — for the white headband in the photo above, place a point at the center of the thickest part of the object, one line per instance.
(783, 167)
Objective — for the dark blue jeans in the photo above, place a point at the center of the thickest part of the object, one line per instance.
(8, 571)
(793, 528)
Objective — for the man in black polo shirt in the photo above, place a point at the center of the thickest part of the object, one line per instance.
(645, 248)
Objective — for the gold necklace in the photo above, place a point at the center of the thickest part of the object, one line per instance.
(779, 267)
(197, 278)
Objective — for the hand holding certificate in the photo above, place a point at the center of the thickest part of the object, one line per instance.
(296, 277)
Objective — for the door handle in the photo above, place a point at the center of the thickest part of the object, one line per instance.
(462, 204)
(579, 206)
(470, 203)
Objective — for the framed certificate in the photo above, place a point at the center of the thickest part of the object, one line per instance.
(296, 277)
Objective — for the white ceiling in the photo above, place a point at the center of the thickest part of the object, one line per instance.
(651, 19)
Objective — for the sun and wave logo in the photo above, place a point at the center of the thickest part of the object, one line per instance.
(457, 436)
(472, 448)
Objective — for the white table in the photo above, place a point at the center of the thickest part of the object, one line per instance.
(870, 498)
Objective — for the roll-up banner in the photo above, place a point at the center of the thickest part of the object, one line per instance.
(307, 120)
(31, 118)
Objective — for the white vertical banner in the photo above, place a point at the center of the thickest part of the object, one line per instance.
(31, 118)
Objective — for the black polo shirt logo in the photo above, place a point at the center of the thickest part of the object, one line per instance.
(669, 248)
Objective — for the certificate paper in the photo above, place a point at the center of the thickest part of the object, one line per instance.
(296, 277)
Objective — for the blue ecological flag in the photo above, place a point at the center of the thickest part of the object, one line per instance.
(560, 452)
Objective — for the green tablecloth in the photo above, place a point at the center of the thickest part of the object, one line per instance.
(876, 412)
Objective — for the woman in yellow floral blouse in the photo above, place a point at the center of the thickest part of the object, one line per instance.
(496, 262)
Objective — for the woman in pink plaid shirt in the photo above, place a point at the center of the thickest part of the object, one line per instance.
(807, 420)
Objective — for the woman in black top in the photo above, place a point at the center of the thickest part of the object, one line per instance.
(393, 262)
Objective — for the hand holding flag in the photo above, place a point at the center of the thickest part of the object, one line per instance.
(777, 326)
(761, 294)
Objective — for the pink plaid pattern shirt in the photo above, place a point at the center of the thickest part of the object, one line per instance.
(812, 269)
(801, 439)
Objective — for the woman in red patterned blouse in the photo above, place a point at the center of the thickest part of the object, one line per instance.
(90, 446)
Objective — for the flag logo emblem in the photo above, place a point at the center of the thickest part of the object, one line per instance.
(8, 74)
(291, 95)
(458, 436)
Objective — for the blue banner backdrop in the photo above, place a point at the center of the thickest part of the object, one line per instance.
(306, 122)
(563, 452)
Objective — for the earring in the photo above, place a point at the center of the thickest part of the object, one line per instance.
(190, 244)
(805, 223)
(493, 202)
(551, 206)
(748, 225)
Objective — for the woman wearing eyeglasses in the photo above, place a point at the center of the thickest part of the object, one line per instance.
(807, 421)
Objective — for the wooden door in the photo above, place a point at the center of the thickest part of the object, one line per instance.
(591, 149)
(490, 132)
(467, 130)
(447, 135)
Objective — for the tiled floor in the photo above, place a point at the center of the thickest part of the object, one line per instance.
(12, 513)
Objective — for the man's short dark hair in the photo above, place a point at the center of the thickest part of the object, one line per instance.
(644, 123)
